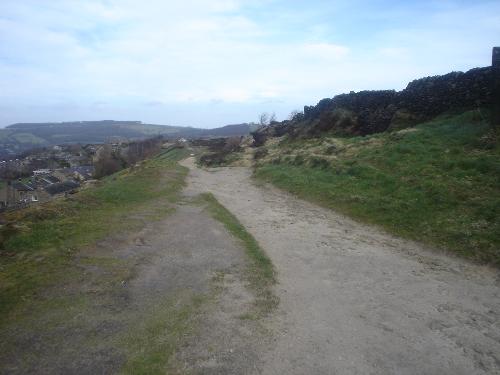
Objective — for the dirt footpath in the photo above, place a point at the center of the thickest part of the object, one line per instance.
(355, 300)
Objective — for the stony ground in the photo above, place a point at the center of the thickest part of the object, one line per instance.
(355, 300)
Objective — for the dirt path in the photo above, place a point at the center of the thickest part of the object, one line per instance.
(355, 300)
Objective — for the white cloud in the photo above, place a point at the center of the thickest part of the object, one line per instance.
(325, 51)
(239, 54)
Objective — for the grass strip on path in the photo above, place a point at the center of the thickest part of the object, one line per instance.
(261, 273)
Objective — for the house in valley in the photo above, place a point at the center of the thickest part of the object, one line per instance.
(19, 192)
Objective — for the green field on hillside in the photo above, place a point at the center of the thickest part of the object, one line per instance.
(4, 134)
(438, 182)
(29, 138)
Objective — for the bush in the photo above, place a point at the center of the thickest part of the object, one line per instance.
(232, 145)
(260, 153)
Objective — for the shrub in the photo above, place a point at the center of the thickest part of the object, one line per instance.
(260, 153)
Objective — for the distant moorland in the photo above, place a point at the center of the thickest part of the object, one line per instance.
(17, 138)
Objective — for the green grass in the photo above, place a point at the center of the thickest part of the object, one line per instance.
(48, 275)
(28, 138)
(438, 183)
(153, 342)
(174, 154)
(37, 245)
(261, 273)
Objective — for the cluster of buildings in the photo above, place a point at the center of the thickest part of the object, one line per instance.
(43, 185)
(44, 174)
(48, 158)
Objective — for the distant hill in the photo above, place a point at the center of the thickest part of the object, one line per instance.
(20, 137)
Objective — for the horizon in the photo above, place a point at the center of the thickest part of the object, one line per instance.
(117, 121)
(226, 61)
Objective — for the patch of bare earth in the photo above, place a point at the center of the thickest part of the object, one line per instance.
(355, 300)
(98, 324)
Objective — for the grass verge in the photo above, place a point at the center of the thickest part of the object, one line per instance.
(37, 245)
(173, 154)
(154, 341)
(438, 182)
(261, 273)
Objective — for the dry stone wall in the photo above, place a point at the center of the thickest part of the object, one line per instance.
(368, 112)
(423, 99)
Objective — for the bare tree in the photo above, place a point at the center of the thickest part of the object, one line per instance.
(140, 150)
(106, 162)
(272, 118)
(232, 144)
(292, 114)
(264, 119)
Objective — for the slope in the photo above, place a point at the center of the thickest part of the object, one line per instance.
(438, 182)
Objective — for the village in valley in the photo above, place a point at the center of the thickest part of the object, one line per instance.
(40, 175)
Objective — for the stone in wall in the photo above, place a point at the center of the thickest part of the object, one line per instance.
(430, 96)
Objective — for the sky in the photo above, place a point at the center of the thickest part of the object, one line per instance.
(208, 63)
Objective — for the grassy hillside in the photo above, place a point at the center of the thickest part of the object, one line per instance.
(28, 138)
(438, 182)
(4, 134)
(38, 245)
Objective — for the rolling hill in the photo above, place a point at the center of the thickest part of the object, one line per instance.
(20, 137)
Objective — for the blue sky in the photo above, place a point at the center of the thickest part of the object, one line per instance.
(216, 62)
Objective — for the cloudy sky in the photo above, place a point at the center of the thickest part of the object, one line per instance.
(208, 63)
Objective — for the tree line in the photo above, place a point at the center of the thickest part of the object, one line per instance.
(109, 159)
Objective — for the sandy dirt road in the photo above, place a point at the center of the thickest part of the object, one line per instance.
(355, 300)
